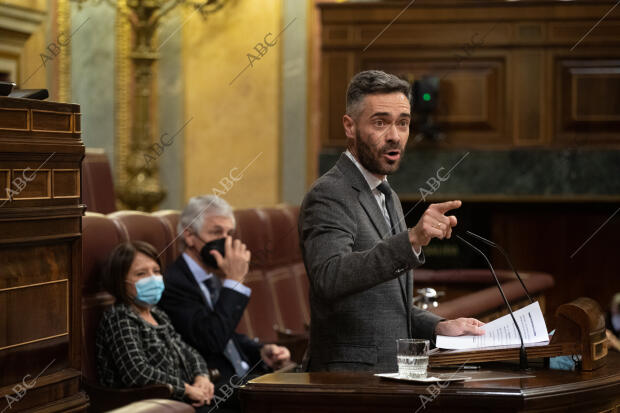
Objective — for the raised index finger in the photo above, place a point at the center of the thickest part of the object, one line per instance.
(444, 207)
(228, 245)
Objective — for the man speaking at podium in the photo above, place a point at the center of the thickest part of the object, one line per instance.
(357, 250)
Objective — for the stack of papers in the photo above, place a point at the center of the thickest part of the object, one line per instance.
(502, 331)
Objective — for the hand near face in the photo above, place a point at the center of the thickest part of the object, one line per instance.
(275, 356)
(236, 263)
(434, 224)
(459, 327)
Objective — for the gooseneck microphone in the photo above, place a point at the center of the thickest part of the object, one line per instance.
(505, 254)
(523, 365)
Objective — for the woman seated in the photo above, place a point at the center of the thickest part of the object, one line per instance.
(136, 343)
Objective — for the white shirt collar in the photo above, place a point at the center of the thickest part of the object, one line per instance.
(372, 180)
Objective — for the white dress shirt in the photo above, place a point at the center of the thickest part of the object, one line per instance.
(373, 183)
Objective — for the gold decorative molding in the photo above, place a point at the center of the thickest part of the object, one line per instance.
(123, 92)
(136, 25)
(64, 62)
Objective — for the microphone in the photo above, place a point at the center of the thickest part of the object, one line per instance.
(522, 353)
(505, 254)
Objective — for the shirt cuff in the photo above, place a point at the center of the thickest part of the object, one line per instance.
(237, 286)
(417, 253)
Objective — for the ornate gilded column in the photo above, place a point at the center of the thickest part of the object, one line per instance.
(138, 183)
(141, 190)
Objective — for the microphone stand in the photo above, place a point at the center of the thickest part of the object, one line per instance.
(523, 365)
(505, 254)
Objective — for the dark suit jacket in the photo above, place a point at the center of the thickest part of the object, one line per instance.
(205, 329)
(361, 278)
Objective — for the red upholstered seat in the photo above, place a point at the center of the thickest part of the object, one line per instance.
(280, 271)
(254, 230)
(97, 182)
(170, 218)
(100, 235)
(141, 226)
(260, 316)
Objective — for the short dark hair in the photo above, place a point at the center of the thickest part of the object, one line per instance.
(118, 265)
(370, 82)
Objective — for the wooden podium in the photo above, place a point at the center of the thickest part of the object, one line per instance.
(594, 387)
(543, 390)
(580, 331)
(40, 256)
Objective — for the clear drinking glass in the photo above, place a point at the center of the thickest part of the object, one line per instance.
(412, 357)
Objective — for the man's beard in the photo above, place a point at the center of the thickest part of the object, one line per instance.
(371, 160)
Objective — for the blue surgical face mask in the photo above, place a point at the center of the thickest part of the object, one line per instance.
(149, 289)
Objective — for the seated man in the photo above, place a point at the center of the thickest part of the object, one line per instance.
(204, 294)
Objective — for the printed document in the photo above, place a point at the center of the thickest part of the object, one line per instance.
(502, 331)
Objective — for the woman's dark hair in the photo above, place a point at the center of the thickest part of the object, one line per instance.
(118, 264)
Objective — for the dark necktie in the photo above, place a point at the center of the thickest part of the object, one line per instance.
(384, 187)
(214, 285)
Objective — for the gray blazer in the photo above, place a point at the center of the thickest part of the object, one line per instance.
(361, 278)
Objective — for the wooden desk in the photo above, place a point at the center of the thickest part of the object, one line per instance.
(549, 390)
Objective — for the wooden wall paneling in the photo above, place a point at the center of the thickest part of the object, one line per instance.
(39, 187)
(51, 121)
(472, 101)
(33, 265)
(75, 297)
(549, 99)
(529, 97)
(545, 237)
(471, 107)
(337, 70)
(522, 34)
(530, 32)
(572, 32)
(580, 112)
(66, 183)
(37, 312)
(15, 119)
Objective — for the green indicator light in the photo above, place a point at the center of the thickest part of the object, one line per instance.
(426, 97)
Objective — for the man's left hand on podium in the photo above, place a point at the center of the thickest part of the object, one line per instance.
(459, 327)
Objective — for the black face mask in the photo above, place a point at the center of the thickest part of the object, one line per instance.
(218, 245)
